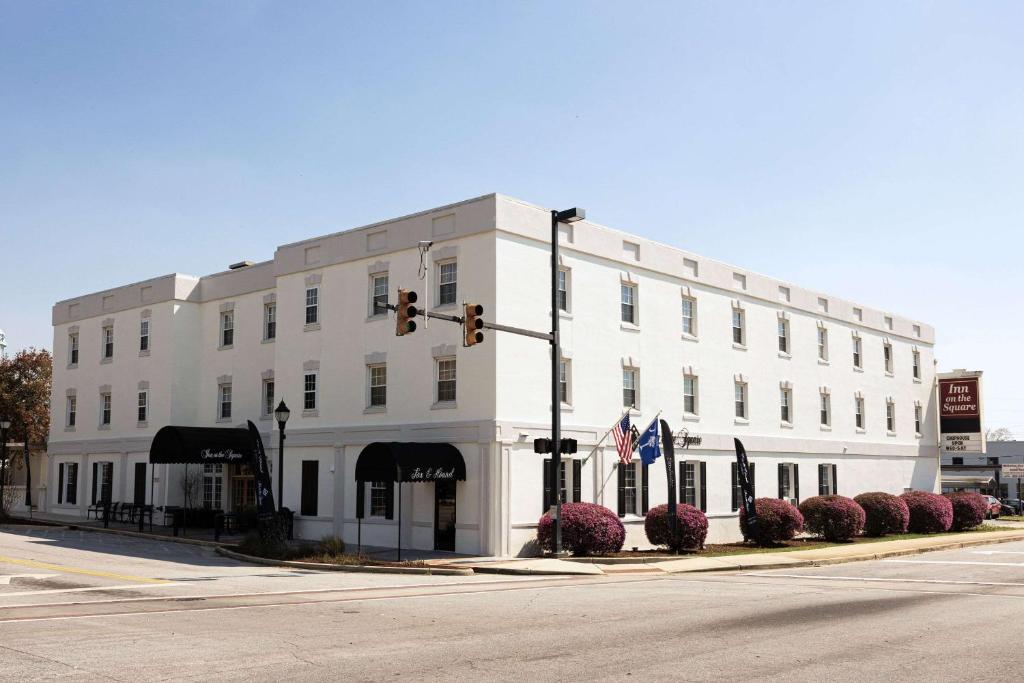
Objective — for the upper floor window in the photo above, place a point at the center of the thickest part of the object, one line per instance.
(143, 407)
(106, 408)
(887, 356)
(739, 335)
(445, 380)
(72, 412)
(73, 349)
(378, 378)
(227, 328)
(822, 343)
(690, 394)
(740, 399)
(628, 301)
(224, 403)
(786, 405)
(917, 419)
(108, 342)
(825, 411)
(447, 282)
(563, 290)
(268, 397)
(312, 305)
(379, 294)
(783, 335)
(890, 416)
(689, 316)
(563, 382)
(857, 352)
(270, 321)
(144, 335)
(309, 391)
(858, 412)
(916, 363)
(629, 385)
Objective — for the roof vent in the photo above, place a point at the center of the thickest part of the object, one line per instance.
(240, 264)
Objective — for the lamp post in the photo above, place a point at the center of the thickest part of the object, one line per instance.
(5, 424)
(281, 414)
(564, 216)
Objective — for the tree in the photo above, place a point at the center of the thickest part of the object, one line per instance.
(25, 381)
(998, 434)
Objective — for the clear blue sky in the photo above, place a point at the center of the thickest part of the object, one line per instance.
(870, 150)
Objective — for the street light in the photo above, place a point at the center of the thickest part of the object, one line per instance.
(281, 414)
(5, 424)
(566, 216)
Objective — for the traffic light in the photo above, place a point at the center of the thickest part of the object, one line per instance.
(542, 445)
(406, 312)
(568, 446)
(472, 324)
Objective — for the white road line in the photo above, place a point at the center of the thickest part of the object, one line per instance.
(970, 562)
(998, 552)
(55, 591)
(822, 577)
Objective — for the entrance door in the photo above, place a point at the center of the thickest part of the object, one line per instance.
(444, 515)
(140, 484)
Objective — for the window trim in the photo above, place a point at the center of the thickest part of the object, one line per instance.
(565, 382)
(227, 325)
(438, 292)
(224, 389)
(71, 411)
(633, 304)
(142, 412)
(311, 308)
(634, 373)
(308, 411)
(438, 361)
(786, 406)
(370, 386)
(107, 346)
(565, 293)
(739, 327)
(694, 331)
(74, 350)
(106, 409)
(267, 406)
(373, 313)
(741, 396)
(694, 395)
(270, 318)
(144, 336)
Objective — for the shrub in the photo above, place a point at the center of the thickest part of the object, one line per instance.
(969, 509)
(834, 518)
(691, 527)
(930, 513)
(885, 513)
(331, 546)
(777, 521)
(587, 529)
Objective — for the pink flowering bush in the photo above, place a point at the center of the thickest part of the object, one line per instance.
(884, 513)
(777, 521)
(587, 529)
(969, 509)
(834, 518)
(691, 527)
(930, 513)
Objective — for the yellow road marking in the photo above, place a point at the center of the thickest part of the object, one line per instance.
(76, 570)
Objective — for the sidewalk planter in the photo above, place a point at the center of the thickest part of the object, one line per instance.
(587, 529)
(691, 527)
(884, 513)
(930, 513)
(777, 521)
(834, 518)
(969, 509)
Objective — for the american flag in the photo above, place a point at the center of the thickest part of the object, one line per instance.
(623, 439)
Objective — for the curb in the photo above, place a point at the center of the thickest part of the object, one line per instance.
(368, 569)
(528, 572)
(653, 559)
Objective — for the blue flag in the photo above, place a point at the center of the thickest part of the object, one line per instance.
(650, 447)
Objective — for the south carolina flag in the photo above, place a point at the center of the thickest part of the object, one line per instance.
(650, 446)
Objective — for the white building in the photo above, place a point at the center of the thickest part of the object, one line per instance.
(825, 394)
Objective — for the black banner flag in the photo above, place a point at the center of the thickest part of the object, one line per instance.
(669, 453)
(746, 487)
(264, 493)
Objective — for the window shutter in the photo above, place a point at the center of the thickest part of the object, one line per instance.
(547, 485)
(308, 506)
(822, 489)
(735, 483)
(644, 500)
(782, 467)
(622, 490)
(95, 469)
(835, 482)
(360, 499)
(390, 492)
(703, 487)
(60, 483)
(796, 482)
(577, 483)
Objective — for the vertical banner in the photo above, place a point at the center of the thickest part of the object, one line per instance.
(960, 413)
(669, 452)
(746, 488)
(264, 494)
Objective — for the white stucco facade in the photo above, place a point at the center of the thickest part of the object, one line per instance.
(501, 251)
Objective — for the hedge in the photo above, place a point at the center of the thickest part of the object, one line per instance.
(587, 529)
(691, 527)
(777, 521)
(969, 509)
(834, 518)
(930, 513)
(884, 513)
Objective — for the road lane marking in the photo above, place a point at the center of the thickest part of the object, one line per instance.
(823, 577)
(998, 552)
(970, 562)
(75, 570)
(56, 591)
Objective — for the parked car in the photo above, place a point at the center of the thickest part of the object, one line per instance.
(994, 507)
(1011, 506)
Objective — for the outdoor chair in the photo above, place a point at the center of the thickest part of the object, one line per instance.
(95, 509)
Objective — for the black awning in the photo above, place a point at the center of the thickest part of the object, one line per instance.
(398, 461)
(201, 444)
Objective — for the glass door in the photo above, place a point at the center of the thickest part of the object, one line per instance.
(444, 515)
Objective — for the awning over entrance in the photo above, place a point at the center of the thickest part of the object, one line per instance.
(201, 445)
(965, 480)
(399, 461)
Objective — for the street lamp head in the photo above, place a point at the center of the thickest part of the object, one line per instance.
(570, 215)
(282, 414)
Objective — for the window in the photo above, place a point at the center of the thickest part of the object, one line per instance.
(916, 363)
(71, 484)
(563, 290)
(143, 412)
(958, 461)
(786, 405)
(268, 397)
(992, 460)
(308, 506)
(629, 377)
(227, 328)
(312, 305)
(917, 420)
(827, 480)
(563, 382)
(224, 402)
(108, 342)
(628, 296)
(447, 278)
(378, 378)
(690, 394)
(825, 411)
(693, 484)
(738, 333)
(737, 490)
(789, 481)
(563, 480)
(445, 380)
(380, 496)
(858, 412)
(857, 356)
(379, 294)
(822, 343)
(690, 316)
(72, 411)
(105, 409)
(102, 482)
(887, 356)
(890, 416)
(73, 349)
(783, 335)
(144, 335)
(309, 391)
(270, 321)
(740, 392)
(213, 486)
(627, 489)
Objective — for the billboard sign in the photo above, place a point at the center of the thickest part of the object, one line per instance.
(960, 419)
(1013, 470)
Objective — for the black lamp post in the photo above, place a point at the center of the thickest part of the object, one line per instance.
(565, 216)
(281, 414)
(5, 424)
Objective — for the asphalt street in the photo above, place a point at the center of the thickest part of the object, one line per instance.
(90, 606)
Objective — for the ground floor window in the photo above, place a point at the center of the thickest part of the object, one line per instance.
(310, 488)
(693, 484)
(67, 483)
(789, 482)
(381, 498)
(629, 502)
(102, 481)
(737, 490)
(570, 479)
(213, 484)
(827, 480)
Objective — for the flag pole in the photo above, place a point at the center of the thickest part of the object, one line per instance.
(598, 445)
